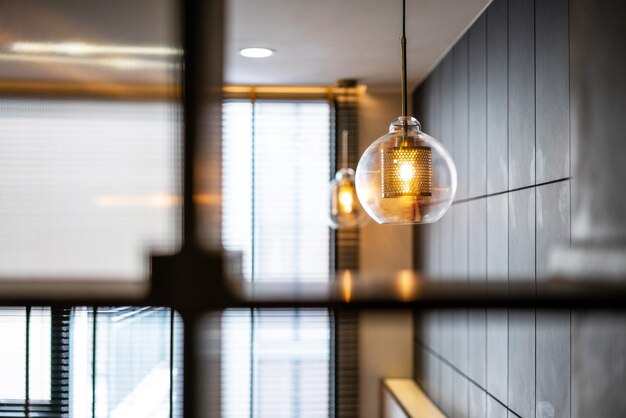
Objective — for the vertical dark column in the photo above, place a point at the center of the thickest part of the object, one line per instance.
(94, 357)
(202, 42)
(346, 365)
(27, 362)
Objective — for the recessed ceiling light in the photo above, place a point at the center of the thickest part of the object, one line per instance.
(256, 52)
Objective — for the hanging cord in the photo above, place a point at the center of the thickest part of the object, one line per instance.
(344, 149)
(346, 125)
(403, 44)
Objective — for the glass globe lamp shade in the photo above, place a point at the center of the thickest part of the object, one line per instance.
(406, 176)
(345, 208)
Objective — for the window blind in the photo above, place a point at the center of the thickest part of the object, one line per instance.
(345, 243)
(87, 187)
(90, 362)
(276, 363)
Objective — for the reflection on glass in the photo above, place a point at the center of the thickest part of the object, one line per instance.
(406, 284)
(88, 188)
(132, 362)
(346, 285)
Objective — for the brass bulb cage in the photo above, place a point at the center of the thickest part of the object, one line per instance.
(417, 160)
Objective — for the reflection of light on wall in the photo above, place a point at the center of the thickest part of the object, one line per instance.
(136, 201)
(406, 284)
(154, 201)
(123, 57)
(346, 285)
(122, 63)
(207, 199)
(88, 49)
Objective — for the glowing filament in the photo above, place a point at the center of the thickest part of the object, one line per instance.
(346, 200)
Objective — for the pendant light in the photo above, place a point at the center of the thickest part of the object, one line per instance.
(345, 208)
(406, 176)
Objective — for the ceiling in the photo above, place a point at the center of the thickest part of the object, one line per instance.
(321, 41)
(316, 42)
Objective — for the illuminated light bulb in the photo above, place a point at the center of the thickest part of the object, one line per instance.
(346, 198)
(406, 176)
(345, 209)
(406, 172)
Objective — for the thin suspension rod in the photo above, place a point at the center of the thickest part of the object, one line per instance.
(403, 44)
(344, 148)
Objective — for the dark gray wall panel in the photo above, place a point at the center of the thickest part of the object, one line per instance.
(553, 364)
(478, 107)
(432, 371)
(461, 396)
(460, 149)
(460, 256)
(495, 409)
(420, 359)
(521, 384)
(435, 103)
(477, 333)
(497, 119)
(553, 330)
(522, 323)
(477, 402)
(521, 93)
(447, 389)
(497, 321)
(446, 131)
(514, 83)
(553, 221)
(552, 72)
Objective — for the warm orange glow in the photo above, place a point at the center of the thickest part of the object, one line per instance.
(206, 199)
(322, 91)
(136, 201)
(86, 48)
(346, 199)
(406, 284)
(346, 285)
(151, 201)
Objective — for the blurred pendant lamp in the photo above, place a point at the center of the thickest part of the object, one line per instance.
(406, 176)
(345, 209)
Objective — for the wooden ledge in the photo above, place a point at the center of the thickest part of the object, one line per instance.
(402, 398)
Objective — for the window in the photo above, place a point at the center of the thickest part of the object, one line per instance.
(276, 162)
(88, 188)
